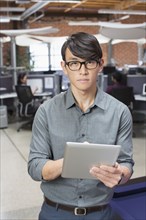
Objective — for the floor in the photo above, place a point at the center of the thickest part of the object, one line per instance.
(21, 197)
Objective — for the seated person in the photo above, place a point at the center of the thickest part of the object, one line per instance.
(117, 79)
(22, 80)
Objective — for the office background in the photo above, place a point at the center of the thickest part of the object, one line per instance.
(21, 197)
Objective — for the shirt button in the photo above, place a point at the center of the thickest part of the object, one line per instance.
(80, 197)
(83, 135)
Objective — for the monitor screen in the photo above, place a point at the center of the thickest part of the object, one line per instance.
(33, 83)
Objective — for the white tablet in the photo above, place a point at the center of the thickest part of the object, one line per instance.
(80, 157)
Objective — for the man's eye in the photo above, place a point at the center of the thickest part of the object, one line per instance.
(73, 63)
(91, 61)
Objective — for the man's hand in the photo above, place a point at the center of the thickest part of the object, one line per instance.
(109, 175)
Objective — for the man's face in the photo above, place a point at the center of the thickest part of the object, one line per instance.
(83, 78)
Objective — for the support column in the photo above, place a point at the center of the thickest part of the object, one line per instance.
(140, 54)
(109, 52)
(1, 54)
(13, 60)
(49, 55)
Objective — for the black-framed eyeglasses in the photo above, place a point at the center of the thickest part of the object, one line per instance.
(76, 65)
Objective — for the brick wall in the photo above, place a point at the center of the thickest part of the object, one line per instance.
(123, 53)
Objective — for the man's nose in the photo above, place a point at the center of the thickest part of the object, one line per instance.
(83, 69)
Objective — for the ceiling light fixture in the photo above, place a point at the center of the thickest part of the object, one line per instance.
(4, 19)
(122, 12)
(12, 9)
(22, 1)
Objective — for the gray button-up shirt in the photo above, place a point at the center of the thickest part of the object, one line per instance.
(59, 120)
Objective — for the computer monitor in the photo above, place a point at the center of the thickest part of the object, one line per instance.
(49, 82)
(37, 82)
(49, 72)
(132, 71)
(108, 69)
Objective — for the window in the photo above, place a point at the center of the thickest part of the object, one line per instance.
(55, 51)
(40, 58)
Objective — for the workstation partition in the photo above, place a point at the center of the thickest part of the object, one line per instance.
(44, 81)
(6, 87)
(135, 81)
(6, 83)
(57, 81)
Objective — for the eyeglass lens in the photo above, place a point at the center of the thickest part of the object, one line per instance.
(76, 65)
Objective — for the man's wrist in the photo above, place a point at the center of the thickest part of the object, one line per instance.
(120, 181)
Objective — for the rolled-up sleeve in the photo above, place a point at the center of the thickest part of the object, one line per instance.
(124, 138)
(40, 151)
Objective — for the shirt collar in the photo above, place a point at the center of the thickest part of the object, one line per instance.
(100, 99)
(70, 101)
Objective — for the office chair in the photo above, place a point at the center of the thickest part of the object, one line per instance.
(125, 94)
(26, 105)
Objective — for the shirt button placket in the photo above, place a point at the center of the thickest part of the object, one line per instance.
(83, 124)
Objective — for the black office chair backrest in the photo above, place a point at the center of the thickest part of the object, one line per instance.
(123, 94)
(24, 94)
(26, 101)
(26, 109)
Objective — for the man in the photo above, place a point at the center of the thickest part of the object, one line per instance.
(83, 113)
(117, 78)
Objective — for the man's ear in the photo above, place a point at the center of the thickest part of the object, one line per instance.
(101, 65)
(101, 62)
(63, 67)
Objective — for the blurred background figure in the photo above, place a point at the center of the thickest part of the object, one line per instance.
(117, 79)
(22, 80)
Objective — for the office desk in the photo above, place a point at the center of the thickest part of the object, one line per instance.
(12, 104)
(14, 95)
(130, 199)
(7, 96)
(139, 97)
(43, 94)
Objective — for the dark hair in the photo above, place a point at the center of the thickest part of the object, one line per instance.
(20, 77)
(118, 76)
(82, 45)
